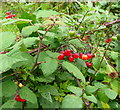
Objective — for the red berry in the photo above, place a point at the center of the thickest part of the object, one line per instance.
(89, 55)
(8, 13)
(75, 55)
(80, 55)
(17, 98)
(88, 64)
(68, 52)
(84, 39)
(14, 15)
(22, 100)
(62, 52)
(61, 57)
(108, 40)
(71, 58)
(84, 57)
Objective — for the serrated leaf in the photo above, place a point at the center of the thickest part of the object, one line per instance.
(115, 85)
(51, 65)
(71, 101)
(8, 86)
(6, 39)
(28, 30)
(110, 93)
(74, 70)
(27, 94)
(91, 98)
(99, 85)
(46, 13)
(75, 90)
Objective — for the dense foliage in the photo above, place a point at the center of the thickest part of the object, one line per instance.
(60, 55)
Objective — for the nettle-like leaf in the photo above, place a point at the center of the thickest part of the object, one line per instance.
(110, 93)
(8, 88)
(90, 89)
(27, 94)
(71, 101)
(28, 30)
(49, 67)
(6, 40)
(75, 90)
(51, 54)
(74, 70)
(115, 85)
(46, 13)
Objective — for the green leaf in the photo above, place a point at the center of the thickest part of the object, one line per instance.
(52, 54)
(76, 43)
(46, 13)
(102, 97)
(71, 101)
(8, 86)
(30, 41)
(110, 93)
(6, 39)
(90, 89)
(105, 105)
(28, 30)
(27, 94)
(99, 85)
(81, 63)
(115, 85)
(9, 104)
(91, 98)
(74, 70)
(49, 67)
(75, 90)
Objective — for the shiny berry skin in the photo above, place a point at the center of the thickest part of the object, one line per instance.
(114, 38)
(22, 100)
(108, 40)
(8, 13)
(84, 57)
(17, 98)
(61, 57)
(76, 55)
(84, 39)
(14, 15)
(7, 17)
(71, 58)
(89, 55)
(88, 64)
(68, 52)
(80, 55)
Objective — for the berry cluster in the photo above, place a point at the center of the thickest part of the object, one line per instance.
(108, 40)
(71, 56)
(10, 15)
(18, 98)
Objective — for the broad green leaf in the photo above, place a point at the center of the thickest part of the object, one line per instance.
(41, 57)
(102, 97)
(114, 55)
(48, 88)
(105, 105)
(76, 43)
(109, 69)
(27, 94)
(75, 90)
(99, 85)
(113, 104)
(49, 67)
(90, 89)
(110, 93)
(6, 39)
(46, 13)
(74, 70)
(91, 98)
(30, 41)
(51, 34)
(115, 85)
(52, 54)
(47, 96)
(8, 88)
(9, 104)
(81, 63)
(28, 30)
(71, 101)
